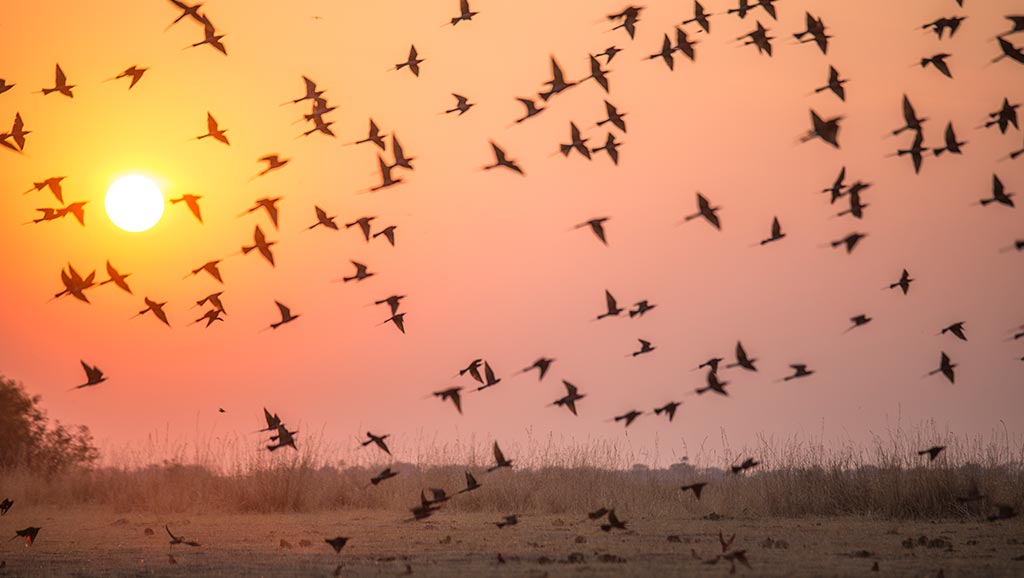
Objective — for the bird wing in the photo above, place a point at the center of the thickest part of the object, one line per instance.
(610, 301)
(498, 456)
(285, 312)
(211, 123)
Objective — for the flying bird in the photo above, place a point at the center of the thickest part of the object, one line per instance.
(952, 144)
(360, 274)
(175, 540)
(957, 329)
(283, 438)
(858, 321)
(375, 136)
(29, 534)
(941, 25)
(269, 204)
(849, 242)
(186, 11)
(776, 232)
(946, 367)
(93, 376)
(799, 370)
(597, 226)
(60, 85)
(999, 194)
(531, 109)
(669, 409)
(52, 183)
(707, 211)
(613, 309)
(400, 159)
(932, 452)
(386, 474)
(903, 283)
(392, 301)
(700, 16)
(912, 122)
(489, 379)
(117, 278)
(609, 53)
(611, 146)
(210, 267)
(939, 62)
(696, 488)
(557, 83)
(745, 465)
(814, 32)
(826, 130)
(714, 384)
(613, 116)
(500, 160)
(1009, 51)
(742, 359)
(4, 87)
(1004, 117)
(499, 459)
(323, 219)
(452, 393)
(630, 16)
(192, 202)
(260, 242)
(471, 484)
(599, 75)
(835, 84)
(759, 37)
(388, 233)
(462, 105)
(413, 62)
(645, 347)
(364, 226)
(337, 543)
(572, 395)
(211, 37)
(464, 13)
(286, 315)
(134, 72)
(156, 308)
(274, 162)
(541, 365)
(640, 308)
(577, 143)
(213, 130)
(398, 319)
(378, 441)
(666, 53)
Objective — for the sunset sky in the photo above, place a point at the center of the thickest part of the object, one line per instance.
(489, 260)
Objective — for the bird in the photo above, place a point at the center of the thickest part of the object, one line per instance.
(413, 62)
(598, 514)
(571, 397)
(759, 38)
(311, 91)
(400, 159)
(849, 242)
(273, 422)
(999, 194)
(1018, 24)
(609, 53)
(471, 484)
(557, 83)
(187, 10)
(388, 233)
(274, 162)
(856, 206)
(1004, 117)
(700, 16)
(76, 209)
(746, 465)
(337, 543)
(952, 144)
(489, 379)
(378, 440)
(134, 72)
(211, 37)
(814, 32)
(916, 151)
(742, 360)
(630, 16)
(541, 365)
(286, 315)
(156, 308)
(5, 506)
(714, 384)
(117, 278)
(912, 122)
(640, 308)
(260, 242)
(375, 136)
(29, 534)
(946, 367)
(577, 143)
(360, 274)
(941, 25)
(364, 226)
(836, 190)
(957, 329)
(4, 86)
(323, 219)
(613, 309)
(628, 417)
(685, 45)
(501, 160)
(464, 13)
(391, 301)
(531, 109)
(52, 183)
(645, 347)
(939, 62)
(269, 204)
(214, 131)
(611, 146)
(903, 283)
(666, 53)
(614, 523)
(462, 105)
(696, 488)
(932, 452)
(74, 284)
(777, 233)
(473, 369)
(599, 75)
(175, 540)
(283, 438)
(93, 376)
(210, 267)
(835, 84)
(499, 459)
(669, 409)
(18, 133)
(60, 85)
(507, 521)
(597, 226)
(211, 316)
(711, 364)
(452, 393)
(192, 202)
(398, 319)
(799, 370)
(386, 474)
(705, 210)
(858, 321)
(1009, 51)
(826, 130)
(613, 116)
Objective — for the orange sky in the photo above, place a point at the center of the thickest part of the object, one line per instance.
(488, 259)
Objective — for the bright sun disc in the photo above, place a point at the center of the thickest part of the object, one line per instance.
(134, 203)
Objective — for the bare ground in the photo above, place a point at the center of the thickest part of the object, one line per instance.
(87, 542)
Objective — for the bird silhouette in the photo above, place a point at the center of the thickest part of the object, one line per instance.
(696, 488)
(814, 32)
(473, 369)
(941, 25)
(640, 308)
(629, 16)
(700, 16)
(613, 116)
(323, 219)
(799, 370)
(398, 319)
(742, 360)
(117, 278)
(557, 84)
(932, 452)
(499, 459)
(597, 226)
(5, 506)
(337, 543)
(489, 379)
(711, 364)
(999, 194)
(614, 523)
(269, 204)
(471, 484)
(507, 521)
(704, 209)
(214, 300)
(531, 110)
(386, 474)
(134, 72)
(1004, 117)
(360, 274)
(759, 37)
(18, 133)
(213, 130)
(856, 206)
(669, 409)
(599, 75)
(835, 84)
(60, 84)
(186, 11)
(378, 440)
(916, 152)
(53, 184)
(284, 438)
(211, 37)
(464, 13)
(260, 242)
(1009, 51)
(175, 540)
(946, 367)
(274, 162)
(611, 146)
(903, 283)
(826, 130)
(713, 383)
(4, 86)
(29, 534)
(849, 242)
(311, 91)
(613, 309)
(93, 376)
(452, 393)
(391, 301)
(858, 321)
(645, 347)
(286, 315)
(273, 422)
(192, 202)
(741, 10)
(957, 329)
(413, 62)
(777, 233)
(462, 105)
(210, 267)
(211, 316)
(74, 284)
(666, 53)
(571, 397)
(912, 122)
(364, 226)
(577, 143)
(156, 308)
(400, 159)
(541, 365)
(746, 465)
(375, 136)
(685, 45)
(501, 160)
(939, 62)
(609, 53)
(952, 144)
(628, 417)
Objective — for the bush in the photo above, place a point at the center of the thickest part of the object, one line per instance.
(28, 440)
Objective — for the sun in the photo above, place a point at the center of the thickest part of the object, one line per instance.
(134, 203)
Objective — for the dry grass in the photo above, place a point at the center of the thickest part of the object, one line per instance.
(797, 479)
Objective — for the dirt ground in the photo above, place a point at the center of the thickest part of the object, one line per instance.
(93, 543)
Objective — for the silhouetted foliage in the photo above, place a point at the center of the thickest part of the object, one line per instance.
(29, 439)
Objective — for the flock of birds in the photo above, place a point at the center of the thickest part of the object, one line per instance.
(678, 43)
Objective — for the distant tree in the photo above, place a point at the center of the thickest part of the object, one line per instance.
(28, 439)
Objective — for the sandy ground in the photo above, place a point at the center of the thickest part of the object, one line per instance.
(92, 543)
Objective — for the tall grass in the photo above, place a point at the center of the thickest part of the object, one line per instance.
(798, 477)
